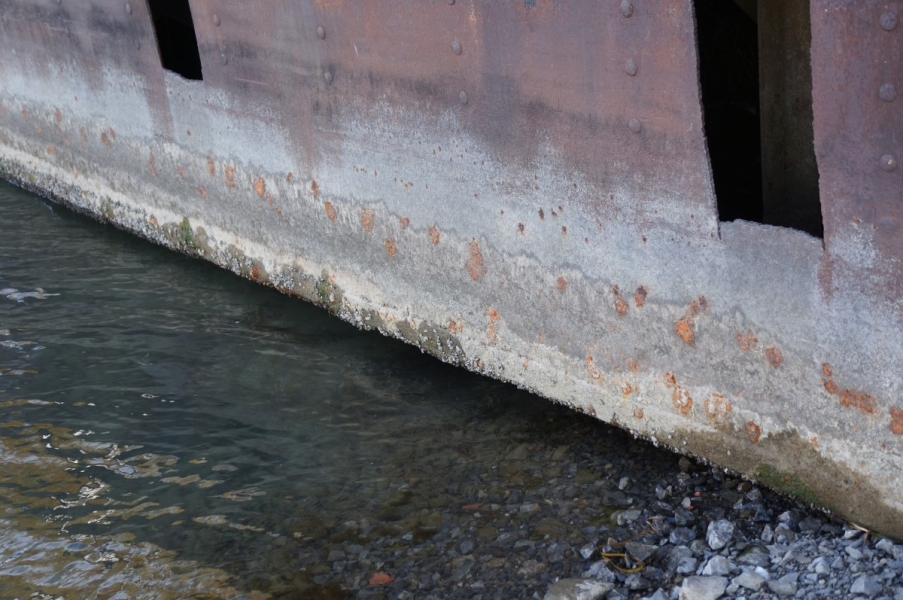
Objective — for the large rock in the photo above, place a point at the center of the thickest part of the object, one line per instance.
(578, 589)
(703, 588)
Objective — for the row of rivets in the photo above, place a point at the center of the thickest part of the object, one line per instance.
(888, 92)
(630, 66)
(457, 49)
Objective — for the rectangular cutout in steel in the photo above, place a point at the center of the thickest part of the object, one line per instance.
(176, 39)
(756, 81)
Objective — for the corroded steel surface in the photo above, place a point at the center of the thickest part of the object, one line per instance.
(521, 188)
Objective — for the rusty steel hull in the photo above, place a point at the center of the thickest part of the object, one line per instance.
(520, 188)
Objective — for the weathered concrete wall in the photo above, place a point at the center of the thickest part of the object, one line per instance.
(519, 188)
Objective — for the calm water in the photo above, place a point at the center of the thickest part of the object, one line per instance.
(169, 430)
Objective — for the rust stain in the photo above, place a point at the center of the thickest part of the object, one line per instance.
(314, 187)
(753, 431)
(561, 283)
(896, 420)
(682, 401)
(830, 386)
(717, 408)
(639, 296)
(289, 177)
(203, 191)
(260, 186)
(494, 318)
(626, 389)
(813, 441)
(670, 379)
(151, 164)
(774, 356)
(456, 326)
(684, 330)
(367, 219)
(255, 273)
(404, 222)
(390, 247)
(434, 234)
(826, 370)
(104, 138)
(210, 166)
(638, 413)
(475, 265)
(591, 367)
(747, 341)
(620, 305)
(330, 210)
(58, 115)
(229, 170)
(51, 149)
(861, 400)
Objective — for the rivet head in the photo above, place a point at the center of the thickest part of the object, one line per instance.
(321, 33)
(635, 125)
(128, 8)
(463, 95)
(888, 21)
(223, 58)
(456, 47)
(328, 76)
(888, 162)
(887, 92)
(216, 20)
(630, 67)
(627, 8)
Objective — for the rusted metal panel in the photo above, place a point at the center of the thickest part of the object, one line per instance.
(857, 75)
(521, 188)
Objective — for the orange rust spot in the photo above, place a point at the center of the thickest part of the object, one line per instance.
(289, 177)
(620, 305)
(210, 166)
(475, 263)
(670, 379)
(561, 283)
(229, 170)
(861, 400)
(203, 191)
(57, 113)
(896, 420)
(593, 371)
(774, 356)
(260, 186)
(753, 431)
(434, 234)
(255, 273)
(826, 369)
(634, 366)
(747, 340)
(813, 440)
(456, 326)
(638, 413)
(830, 385)
(390, 247)
(330, 210)
(153, 221)
(682, 401)
(684, 330)
(626, 389)
(151, 164)
(717, 408)
(639, 296)
(104, 138)
(367, 219)
(494, 318)
(404, 222)
(51, 149)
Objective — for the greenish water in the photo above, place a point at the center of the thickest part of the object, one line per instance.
(169, 430)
